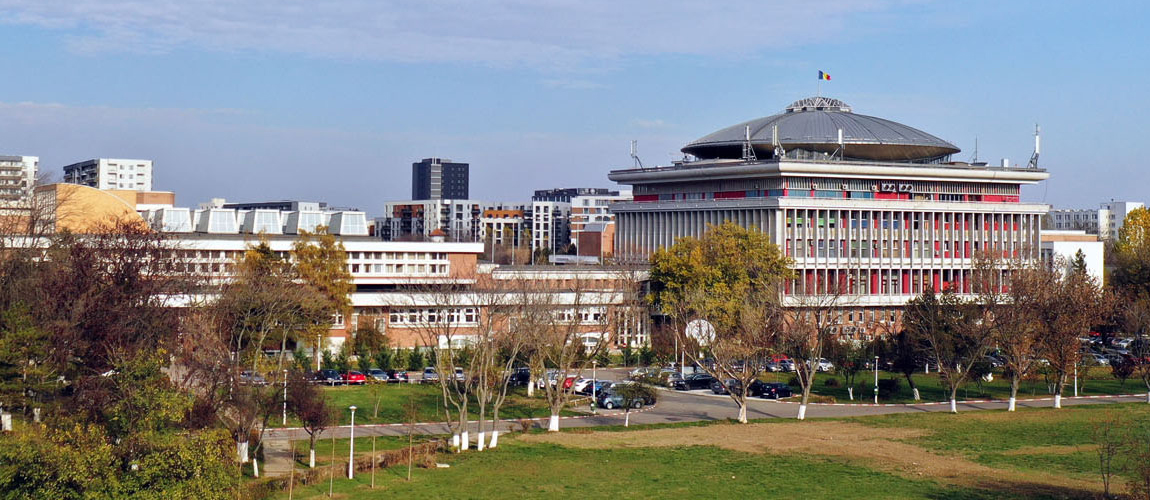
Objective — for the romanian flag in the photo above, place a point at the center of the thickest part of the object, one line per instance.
(824, 76)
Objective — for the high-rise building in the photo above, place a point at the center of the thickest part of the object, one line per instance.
(439, 179)
(17, 177)
(107, 173)
(866, 207)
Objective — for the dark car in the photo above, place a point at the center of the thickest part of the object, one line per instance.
(248, 377)
(776, 390)
(693, 381)
(386, 376)
(520, 377)
(612, 399)
(597, 387)
(329, 377)
(731, 384)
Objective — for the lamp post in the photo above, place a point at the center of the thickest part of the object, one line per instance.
(351, 448)
(876, 380)
(285, 397)
(594, 365)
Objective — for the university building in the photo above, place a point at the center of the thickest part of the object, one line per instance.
(864, 206)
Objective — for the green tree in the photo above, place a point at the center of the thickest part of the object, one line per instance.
(321, 261)
(1078, 265)
(721, 293)
(25, 371)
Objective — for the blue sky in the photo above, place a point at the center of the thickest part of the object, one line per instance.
(333, 101)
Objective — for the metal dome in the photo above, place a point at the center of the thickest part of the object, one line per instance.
(812, 125)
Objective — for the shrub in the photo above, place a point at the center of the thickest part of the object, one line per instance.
(794, 381)
(832, 382)
(1122, 371)
(888, 388)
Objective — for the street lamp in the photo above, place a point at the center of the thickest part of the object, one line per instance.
(285, 397)
(876, 380)
(351, 448)
(594, 364)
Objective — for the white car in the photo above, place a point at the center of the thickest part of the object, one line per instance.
(581, 383)
(824, 365)
(1092, 358)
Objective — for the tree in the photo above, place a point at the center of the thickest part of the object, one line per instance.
(905, 352)
(321, 262)
(952, 332)
(309, 404)
(1067, 307)
(1017, 334)
(632, 393)
(850, 357)
(806, 332)
(721, 292)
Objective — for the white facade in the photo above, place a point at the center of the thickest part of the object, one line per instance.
(1104, 221)
(460, 220)
(17, 177)
(1061, 247)
(550, 227)
(593, 209)
(111, 173)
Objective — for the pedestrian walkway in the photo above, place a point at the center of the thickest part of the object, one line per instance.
(278, 459)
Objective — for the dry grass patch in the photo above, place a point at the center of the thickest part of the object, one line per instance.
(880, 448)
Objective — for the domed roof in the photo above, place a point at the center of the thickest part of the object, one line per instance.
(812, 125)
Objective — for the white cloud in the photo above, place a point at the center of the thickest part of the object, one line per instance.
(554, 35)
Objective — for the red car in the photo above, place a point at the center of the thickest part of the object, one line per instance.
(354, 377)
(568, 382)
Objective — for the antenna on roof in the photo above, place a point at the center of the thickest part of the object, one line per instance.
(1037, 148)
(635, 154)
(748, 150)
(974, 157)
(779, 151)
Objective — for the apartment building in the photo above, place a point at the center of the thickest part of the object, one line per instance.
(109, 173)
(1105, 221)
(17, 178)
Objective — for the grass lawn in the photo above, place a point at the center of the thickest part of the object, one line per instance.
(1030, 439)
(1033, 453)
(428, 401)
(1097, 382)
(522, 470)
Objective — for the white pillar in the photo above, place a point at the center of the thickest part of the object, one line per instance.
(351, 448)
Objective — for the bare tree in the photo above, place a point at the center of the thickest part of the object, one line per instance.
(565, 321)
(445, 318)
(951, 332)
(808, 325)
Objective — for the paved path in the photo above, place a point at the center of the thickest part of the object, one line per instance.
(677, 406)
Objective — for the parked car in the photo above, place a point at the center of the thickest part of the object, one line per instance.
(993, 362)
(787, 365)
(248, 377)
(459, 374)
(669, 377)
(728, 385)
(568, 382)
(354, 377)
(612, 399)
(328, 376)
(393, 376)
(824, 365)
(377, 375)
(639, 373)
(595, 386)
(520, 377)
(580, 384)
(693, 381)
(776, 390)
(1091, 358)
(430, 375)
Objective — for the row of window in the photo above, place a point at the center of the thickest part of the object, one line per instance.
(426, 316)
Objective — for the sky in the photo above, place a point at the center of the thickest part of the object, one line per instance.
(333, 100)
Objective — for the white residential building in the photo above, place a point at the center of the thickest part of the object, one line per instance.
(17, 176)
(460, 220)
(550, 225)
(1105, 221)
(109, 173)
(593, 209)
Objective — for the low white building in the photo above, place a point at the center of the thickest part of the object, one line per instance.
(1061, 247)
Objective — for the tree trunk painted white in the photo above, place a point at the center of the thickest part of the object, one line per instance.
(255, 467)
(743, 412)
(479, 443)
(802, 412)
(242, 452)
(553, 424)
(953, 405)
(455, 441)
(36, 415)
(1010, 406)
(1058, 401)
(464, 441)
(494, 439)
(311, 459)
(851, 393)
(916, 395)
(531, 389)
(627, 419)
